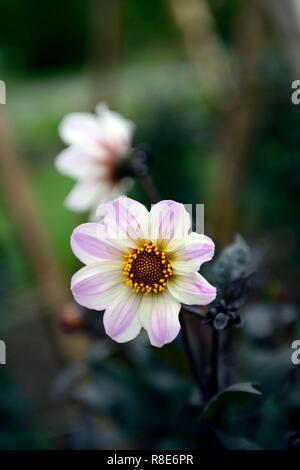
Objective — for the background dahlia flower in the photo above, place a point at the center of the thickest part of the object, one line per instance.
(97, 143)
(140, 267)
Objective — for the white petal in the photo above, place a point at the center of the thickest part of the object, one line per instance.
(96, 285)
(83, 196)
(159, 316)
(78, 164)
(89, 243)
(191, 289)
(121, 320)
(188, 258)
(116, 131)
(169, 224)
(82, 130)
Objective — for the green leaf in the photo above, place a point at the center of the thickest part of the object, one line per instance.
(235, 393)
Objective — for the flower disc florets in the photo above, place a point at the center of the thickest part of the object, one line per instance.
(146, 269)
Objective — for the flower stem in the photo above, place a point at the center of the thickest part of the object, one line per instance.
(190, 356)
(140, 169)
(214, 376)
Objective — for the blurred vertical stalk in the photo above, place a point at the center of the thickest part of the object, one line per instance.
(236, 95)
(238, 120)
(285, 17)
(105, 18)
(204, 48)
(31, 231)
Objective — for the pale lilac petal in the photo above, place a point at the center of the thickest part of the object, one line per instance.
(109, 193)
(159, 315)
(89, 243)
(169, 224)
(126, 221)
(121, 320)
(78, 164)
(96, 285)
(189, 257)
(191, 289)
(82, 130)
(116, 131)
(83, 196)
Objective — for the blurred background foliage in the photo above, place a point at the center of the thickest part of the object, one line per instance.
(228, 140)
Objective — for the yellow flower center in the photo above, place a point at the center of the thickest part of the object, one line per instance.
(146, 269)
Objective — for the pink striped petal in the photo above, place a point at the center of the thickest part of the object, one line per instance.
(191, 289)
(159, 316)
(196, 250)
(121, 320)
(96, 285)
(170, 222)
(90, 244)
(126, 221)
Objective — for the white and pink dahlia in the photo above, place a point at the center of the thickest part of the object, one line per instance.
(140, 267)
(97, 143)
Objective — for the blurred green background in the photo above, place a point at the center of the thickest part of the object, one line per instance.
(208, 85)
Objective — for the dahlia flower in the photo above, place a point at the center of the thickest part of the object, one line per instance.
(140, 267)
(97, 143)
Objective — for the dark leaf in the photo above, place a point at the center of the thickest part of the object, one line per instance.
(236, 393)
(236, 442)
(233, 262)
(236, 292)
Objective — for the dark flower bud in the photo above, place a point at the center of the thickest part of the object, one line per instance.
(221, 321)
